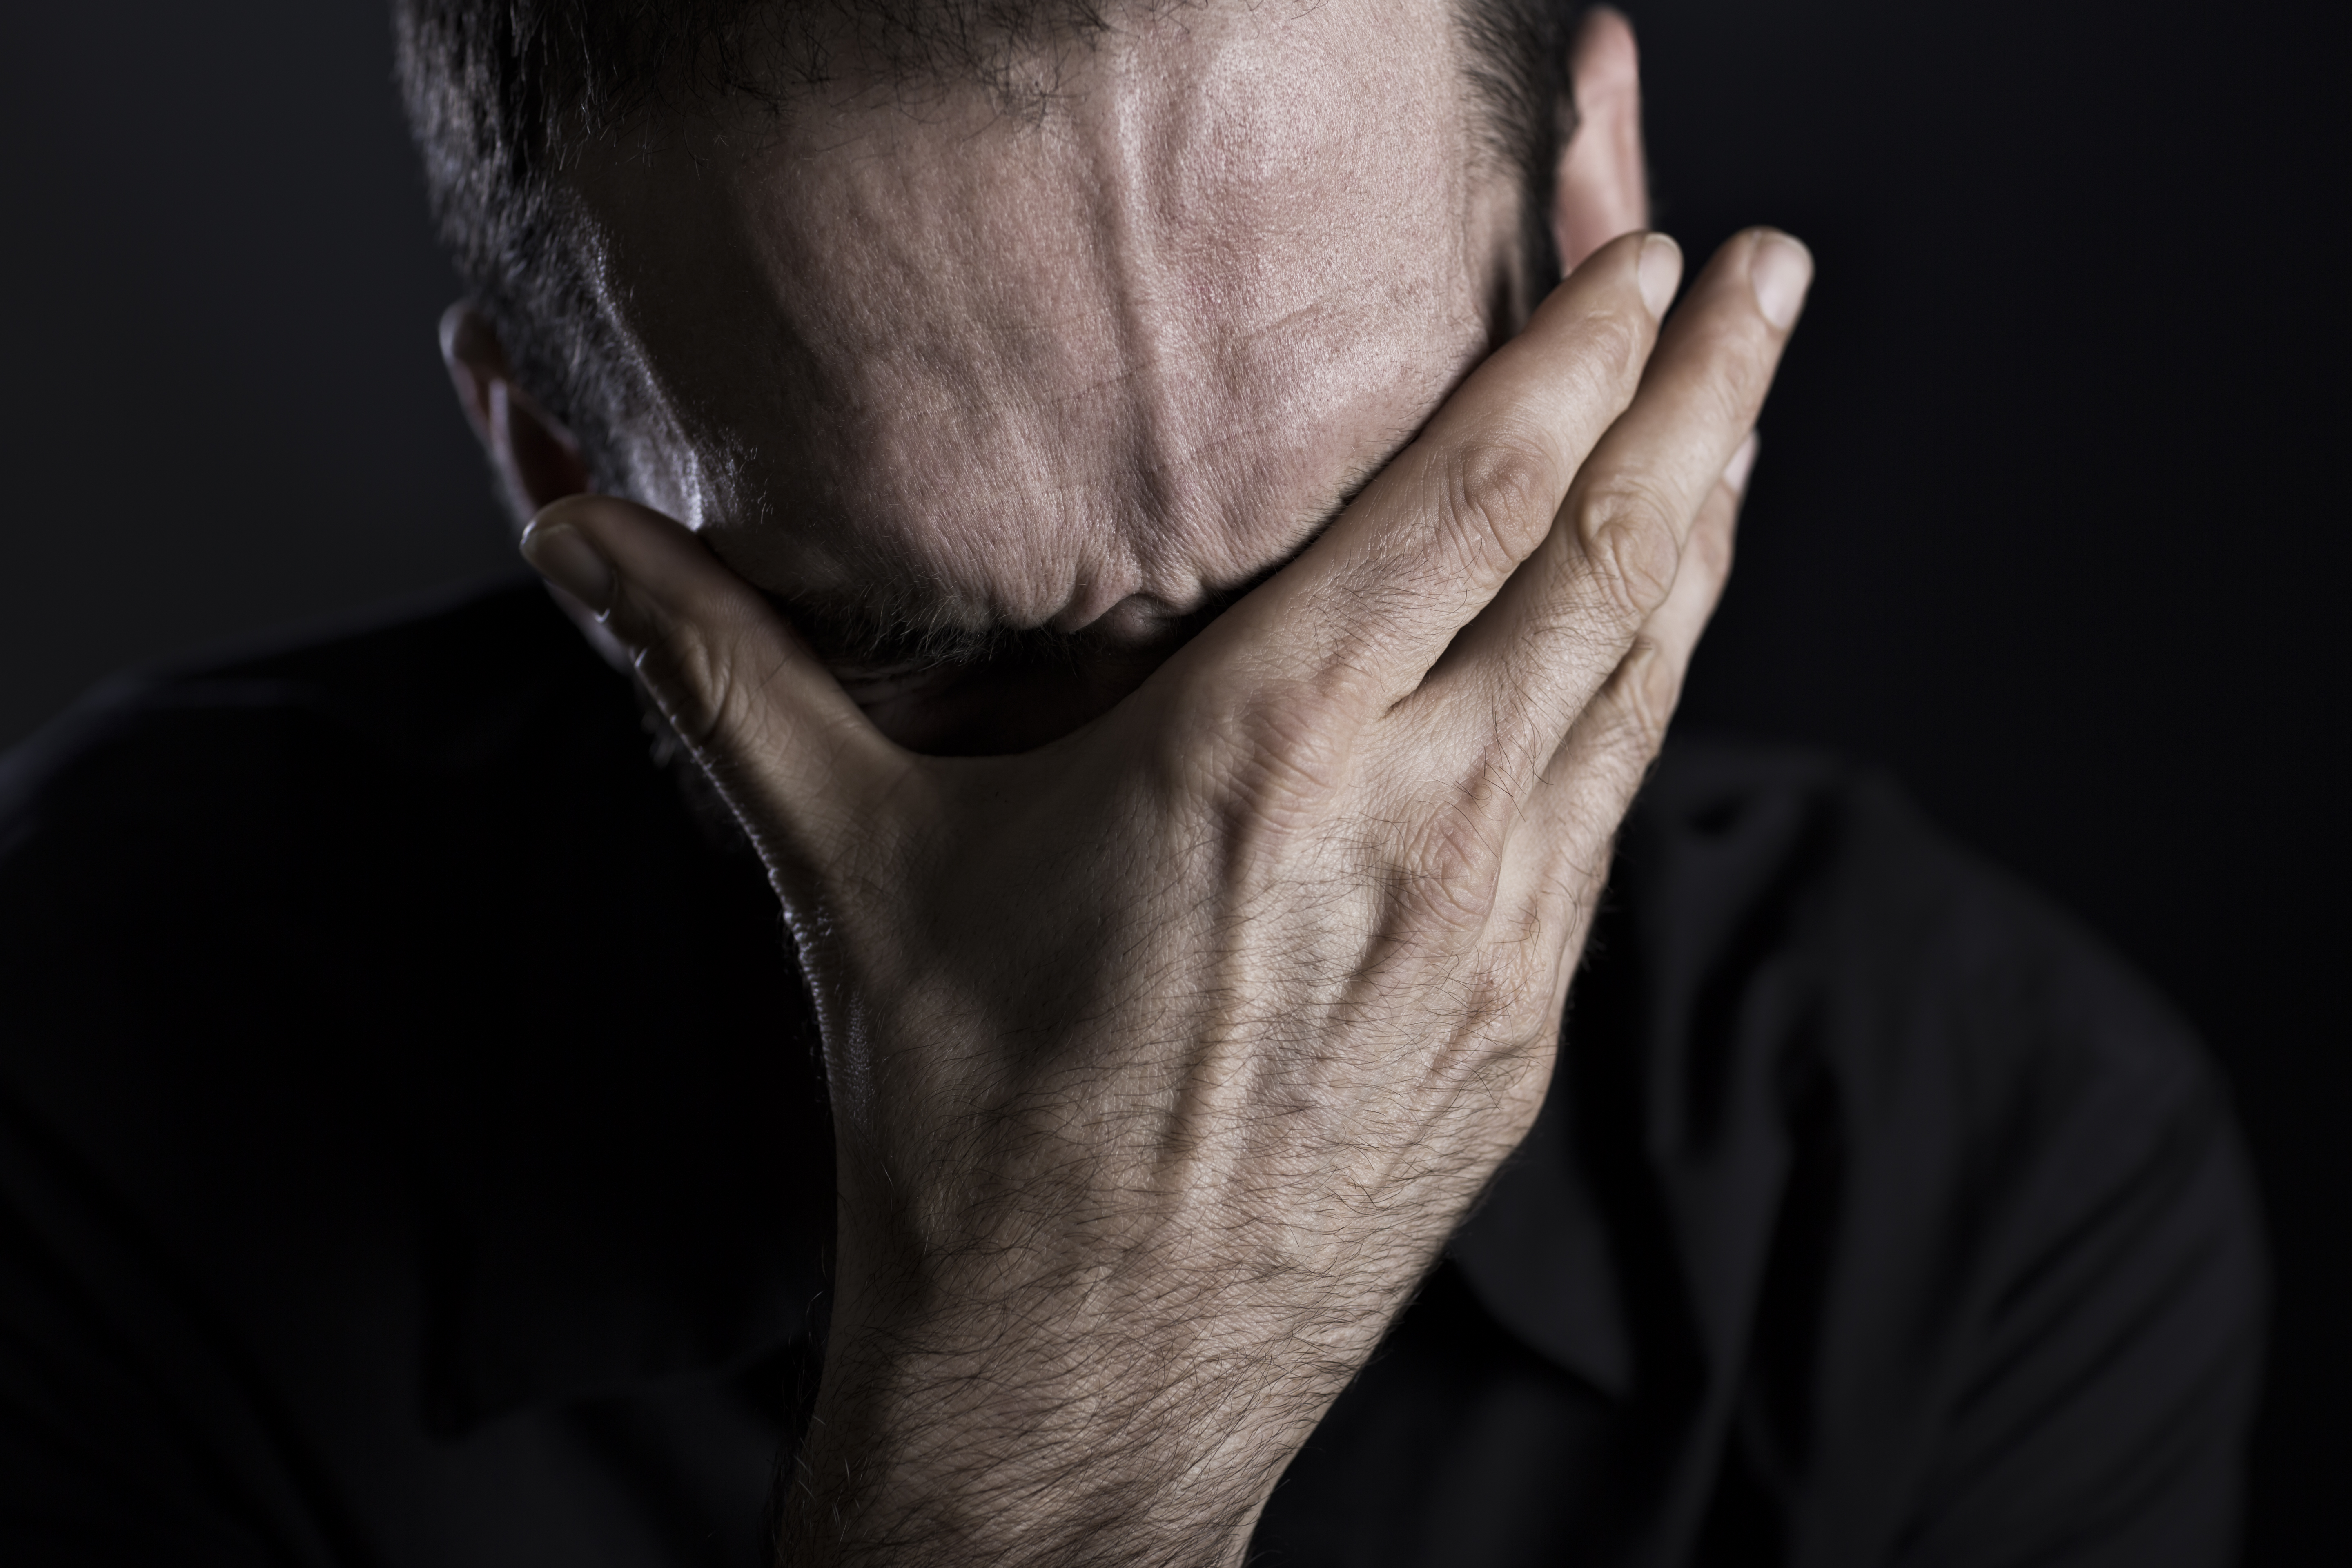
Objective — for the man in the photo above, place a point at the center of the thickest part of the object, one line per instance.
(1115, 527)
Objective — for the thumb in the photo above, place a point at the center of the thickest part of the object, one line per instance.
(794, 755)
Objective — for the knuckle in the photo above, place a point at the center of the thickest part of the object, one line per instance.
(1452, 867)
(696, 676)
(1504, 1022)
(1618, 347)
(1607, 351)
(1630, 546)
(1515, 995)
(1276, 762)
(1742, 364)
(1642, 696)
(1501, 491)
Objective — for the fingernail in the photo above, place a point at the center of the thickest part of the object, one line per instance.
(1742, 464)
(1781, 270)
(562, 556)
(1662, 268)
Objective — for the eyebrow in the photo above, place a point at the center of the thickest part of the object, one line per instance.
(883, 632)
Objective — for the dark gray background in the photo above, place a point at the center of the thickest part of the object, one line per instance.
(2050, 516)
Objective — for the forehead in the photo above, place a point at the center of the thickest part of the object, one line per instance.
(1138, 328)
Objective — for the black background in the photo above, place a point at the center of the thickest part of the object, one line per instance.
(2049, 519)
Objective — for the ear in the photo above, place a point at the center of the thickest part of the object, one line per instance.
(1603, 184)
(537, 460)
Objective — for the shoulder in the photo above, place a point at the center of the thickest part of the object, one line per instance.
(252, 839)
(1878, 1213)
(422, 685)
(272, 760)
(1817, 880)
(1964, 1189)
(383, 1050)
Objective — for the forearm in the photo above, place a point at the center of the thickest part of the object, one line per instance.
(917, 1455)
(1164, 1059)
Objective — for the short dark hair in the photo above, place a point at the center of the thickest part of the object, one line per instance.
(502, 94)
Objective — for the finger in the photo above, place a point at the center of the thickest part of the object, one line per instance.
(793, 754)
(1558, 854)
(1566, 620)
(1448, 522)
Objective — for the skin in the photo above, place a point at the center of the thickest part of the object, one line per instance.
(1171, 1031)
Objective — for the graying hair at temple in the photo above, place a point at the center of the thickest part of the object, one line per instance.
(502, 94)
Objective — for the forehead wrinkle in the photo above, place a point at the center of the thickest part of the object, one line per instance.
(1168, 329)
(1166, 166)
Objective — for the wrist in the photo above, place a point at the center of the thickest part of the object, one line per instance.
(927, 1446)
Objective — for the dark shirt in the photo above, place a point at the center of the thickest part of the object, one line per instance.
(413, 1152)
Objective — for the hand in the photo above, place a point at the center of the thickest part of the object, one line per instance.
(1164, 1058)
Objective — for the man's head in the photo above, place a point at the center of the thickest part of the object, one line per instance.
(1001, 341)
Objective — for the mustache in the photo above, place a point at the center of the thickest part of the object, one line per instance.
(891, 634)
